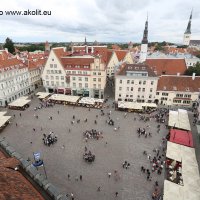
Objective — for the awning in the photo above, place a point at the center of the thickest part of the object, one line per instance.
(19, 102)
(3, 120)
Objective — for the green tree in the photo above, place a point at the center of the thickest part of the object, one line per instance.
(195, 69)
(9, 45)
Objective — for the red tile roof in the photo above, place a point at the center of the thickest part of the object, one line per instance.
(109, 55)
(11, 63)
(13, 185)
(73, 61)
(175, 50)
(34, 64)
(121, 54)
(116, 47)
(167, 66)
(179, 83)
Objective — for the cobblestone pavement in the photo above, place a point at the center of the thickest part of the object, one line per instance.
(121, 145)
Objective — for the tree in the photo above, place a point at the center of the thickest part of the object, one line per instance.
(195, 69)
(9, 45)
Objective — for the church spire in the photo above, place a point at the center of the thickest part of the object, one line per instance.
(85, 41)
(188, 30)
(145, 34)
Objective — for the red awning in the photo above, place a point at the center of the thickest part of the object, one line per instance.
(181, 137)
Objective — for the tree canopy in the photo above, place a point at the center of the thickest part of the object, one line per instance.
(9, 45)
(194, 69)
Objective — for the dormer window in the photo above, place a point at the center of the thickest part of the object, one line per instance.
(174, 88)
(187, 89)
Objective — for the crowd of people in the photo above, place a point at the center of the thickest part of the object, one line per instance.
(93, 134)
(49, 139)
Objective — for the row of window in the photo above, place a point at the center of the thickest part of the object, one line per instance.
(54, 72)
(83, 72)
(132, 82)
(185, 95)
(12, 73)
(138, 96)
(139, 89)
(180, 101)
(56, 77)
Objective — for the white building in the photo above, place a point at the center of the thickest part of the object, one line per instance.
(178, 90)
(74, 74)
(14, 78)
(135, 83)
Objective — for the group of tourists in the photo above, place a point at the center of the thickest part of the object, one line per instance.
(49, 139)
(93, 134)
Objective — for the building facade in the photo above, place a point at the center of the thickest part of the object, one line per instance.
(178, 90)
(14, 80)
(135, 83)
(83, 75)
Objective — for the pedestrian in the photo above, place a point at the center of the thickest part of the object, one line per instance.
(33, 129)
(16, 124)
(99, 189)
(116, 194)
(20, 114)
(14, 115)
(81, 178)
(69, 130)
(109, 174)
(58, 112)
(76, 178)
(85, 148)
(41, 129)
(72, 195)
(68, 176)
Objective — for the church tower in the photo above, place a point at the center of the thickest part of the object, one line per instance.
(187, 34)
(144, 45)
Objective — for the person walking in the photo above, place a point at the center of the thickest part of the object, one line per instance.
(81, 178)
(116, 194)
(68, 176)
(99, 189)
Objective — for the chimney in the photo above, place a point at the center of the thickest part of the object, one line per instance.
(178, 74)
(193, 76)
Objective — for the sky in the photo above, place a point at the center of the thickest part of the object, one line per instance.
(100, 20)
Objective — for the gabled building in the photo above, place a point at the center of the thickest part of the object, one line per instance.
(75, 74)
(178, 90)
(135, 83)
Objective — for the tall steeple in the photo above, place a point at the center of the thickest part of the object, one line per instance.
(85, 43)
(145, 34)
(144, 45)
(188, 30)
(187, 34)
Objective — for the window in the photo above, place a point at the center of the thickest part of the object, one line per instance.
(157, 93)
(52, 77)
(120, 95)
(143, 89)
(164, 94)
(127, 88)
(73, 72)
(47, 77)
(99, 73)
(144, 82)
(127, 95)
(120, 88)
(131, 96)
(80, 78)
(55, 65)
(52, 59)
(94, 85)
(140, 82)
(99, 86)
(131, 88)
(47, 83)
(94, 73)
(51, 65)
(52, 71)
(57, 77)
(57, 83)
(52, 83)
(99, 79)
(128, 81)
(151, 89)
(152, 82)
(94, 79)
(62, 83)
(120, 81)
(86, 85)
(132, 82)
(62, 77)
(150, 96)
(86, 78)
(73, 78)
(139, 89)
(74, 84)
(59, 71)
(48, 71)
(80, 85)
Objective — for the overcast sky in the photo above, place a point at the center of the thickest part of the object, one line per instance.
(101, 20)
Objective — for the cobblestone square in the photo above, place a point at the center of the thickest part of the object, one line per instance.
(123, 144)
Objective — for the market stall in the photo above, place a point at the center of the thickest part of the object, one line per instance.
(43, 95)
(64, 99)
(91, 102)
(20, 104)
(4, 121)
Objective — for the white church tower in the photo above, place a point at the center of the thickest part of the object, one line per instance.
(144, 45)
(187, 34)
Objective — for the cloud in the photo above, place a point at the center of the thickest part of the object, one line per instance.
(112, 20)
